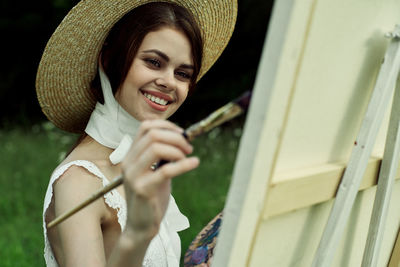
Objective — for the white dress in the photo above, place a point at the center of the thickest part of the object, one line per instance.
(164, 249)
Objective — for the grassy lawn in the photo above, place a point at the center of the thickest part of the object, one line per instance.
(28, 158)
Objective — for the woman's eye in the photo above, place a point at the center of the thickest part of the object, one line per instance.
(183, 75)
(154, 62)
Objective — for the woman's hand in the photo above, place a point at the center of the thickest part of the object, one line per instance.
(147, 191)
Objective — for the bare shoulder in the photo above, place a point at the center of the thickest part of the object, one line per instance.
(78, 175)
(81, 234)
(74, 186)
(78, 183)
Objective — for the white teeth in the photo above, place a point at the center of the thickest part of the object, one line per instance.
(156, 99)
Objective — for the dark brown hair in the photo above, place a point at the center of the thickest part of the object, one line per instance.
(126, 36)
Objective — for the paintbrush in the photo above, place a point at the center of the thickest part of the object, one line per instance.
(221, 115)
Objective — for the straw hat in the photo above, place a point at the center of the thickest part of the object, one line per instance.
(69, 61)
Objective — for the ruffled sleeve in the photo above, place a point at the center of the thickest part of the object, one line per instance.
(176, 220)
(173, 222)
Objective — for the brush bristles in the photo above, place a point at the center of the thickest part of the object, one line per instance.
(244, 100)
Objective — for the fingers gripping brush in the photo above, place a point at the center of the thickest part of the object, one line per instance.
(221, 115)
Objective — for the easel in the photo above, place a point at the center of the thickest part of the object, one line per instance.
(352, 177)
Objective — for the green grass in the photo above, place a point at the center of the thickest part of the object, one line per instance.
(28, 158)
(201, 194)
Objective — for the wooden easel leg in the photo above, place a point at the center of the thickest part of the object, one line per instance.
(387, 175)
(395, 258)
(355, 169)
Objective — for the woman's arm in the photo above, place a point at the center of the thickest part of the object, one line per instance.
(80, 236)
(147, 191)
(147, 195)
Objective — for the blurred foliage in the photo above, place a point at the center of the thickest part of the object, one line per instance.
(24, 177)
(26, 26)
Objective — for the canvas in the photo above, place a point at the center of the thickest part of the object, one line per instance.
(318, 69)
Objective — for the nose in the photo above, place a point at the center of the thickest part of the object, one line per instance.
(166, 80)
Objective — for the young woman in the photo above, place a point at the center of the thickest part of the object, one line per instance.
(147, 57)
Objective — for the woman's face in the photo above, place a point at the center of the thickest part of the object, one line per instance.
(158, 80)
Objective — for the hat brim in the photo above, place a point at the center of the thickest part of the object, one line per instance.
(69, 61)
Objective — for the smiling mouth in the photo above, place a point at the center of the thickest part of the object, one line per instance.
(156, 99)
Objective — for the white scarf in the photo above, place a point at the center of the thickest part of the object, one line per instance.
(110, 124)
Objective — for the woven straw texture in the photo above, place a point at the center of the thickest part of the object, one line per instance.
(69, 61)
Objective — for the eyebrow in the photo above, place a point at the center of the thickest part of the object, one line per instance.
(166, 58)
